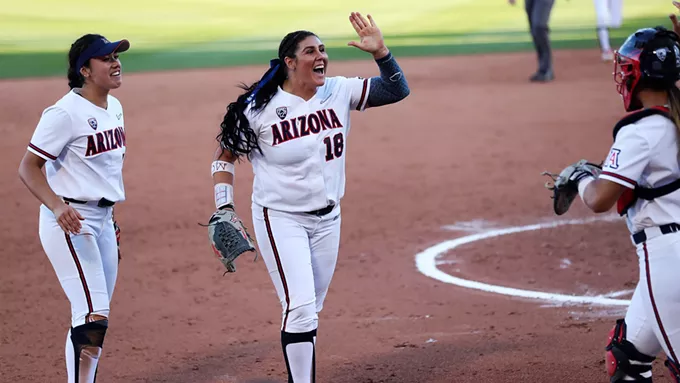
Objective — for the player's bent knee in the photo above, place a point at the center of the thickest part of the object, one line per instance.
(674, 368)
(79, 319)
(623, 360)
(301, 319)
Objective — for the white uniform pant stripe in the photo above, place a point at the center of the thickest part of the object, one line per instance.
(86, 290)
(657, 315)
(275, 251)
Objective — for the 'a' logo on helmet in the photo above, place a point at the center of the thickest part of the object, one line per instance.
(677, 56)
(661, 53)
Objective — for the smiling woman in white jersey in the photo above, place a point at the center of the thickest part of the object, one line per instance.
(80, 140)
(641, 176)
(293, 126)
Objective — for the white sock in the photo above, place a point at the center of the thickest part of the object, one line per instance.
(300, 360)
(603, 35)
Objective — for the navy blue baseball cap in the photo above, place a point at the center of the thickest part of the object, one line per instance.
(99, 48)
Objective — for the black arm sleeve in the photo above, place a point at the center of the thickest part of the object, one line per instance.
(391, 86)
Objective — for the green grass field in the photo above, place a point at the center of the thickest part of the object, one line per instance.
(172, 34)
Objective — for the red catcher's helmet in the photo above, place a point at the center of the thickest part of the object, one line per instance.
(650, 57)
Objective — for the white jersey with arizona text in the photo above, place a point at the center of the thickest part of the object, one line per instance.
(645, 153)
(84, 146)
(302, 165)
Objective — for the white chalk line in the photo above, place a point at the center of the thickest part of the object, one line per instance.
(426, 262)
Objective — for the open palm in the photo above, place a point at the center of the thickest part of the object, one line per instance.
(371, 39)
(674, 19)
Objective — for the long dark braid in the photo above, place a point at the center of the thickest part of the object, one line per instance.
(236, 135)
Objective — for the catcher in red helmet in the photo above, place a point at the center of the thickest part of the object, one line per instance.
(641, 176)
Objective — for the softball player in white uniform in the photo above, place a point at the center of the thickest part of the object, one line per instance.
(80, 140)
(608, 14)
(641, 176)
(293, 126)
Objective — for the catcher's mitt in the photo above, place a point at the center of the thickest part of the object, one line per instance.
(229, 237)
(565, 185)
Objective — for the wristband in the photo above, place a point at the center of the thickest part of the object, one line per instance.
(224, 195)
(583, 185)
(222, 166)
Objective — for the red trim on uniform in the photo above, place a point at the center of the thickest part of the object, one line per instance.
(278, 264)
(44, 153)
(82, 276)
(622, 178)
(662, 108)
(651, 298)
(363, 94)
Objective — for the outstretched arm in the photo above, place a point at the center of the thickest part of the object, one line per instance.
(391, 86)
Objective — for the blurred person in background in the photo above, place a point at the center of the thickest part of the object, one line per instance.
(538, 12)
(608, 15)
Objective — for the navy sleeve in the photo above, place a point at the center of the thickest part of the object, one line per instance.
(391, 86)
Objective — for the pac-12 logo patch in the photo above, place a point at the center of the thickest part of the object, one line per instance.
(282, 112)
(613, 159)
(92, 122)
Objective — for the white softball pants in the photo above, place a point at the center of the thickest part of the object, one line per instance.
(86, 264)
(300, 251)
(653, 317)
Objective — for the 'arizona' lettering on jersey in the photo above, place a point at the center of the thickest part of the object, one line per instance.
(302, 126)
(105, 141)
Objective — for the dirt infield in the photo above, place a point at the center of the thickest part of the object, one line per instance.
(468, 145)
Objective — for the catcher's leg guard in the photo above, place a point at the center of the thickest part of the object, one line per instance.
(84, 350)
(624, 360)
(299, 353)
(674, 367)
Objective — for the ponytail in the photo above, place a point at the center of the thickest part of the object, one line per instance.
(236, 135)
(674, 104)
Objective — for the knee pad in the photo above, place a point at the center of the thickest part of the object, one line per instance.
(89, 335)
(674, 367)
(290, 338)
(301, 319)
(623, 359)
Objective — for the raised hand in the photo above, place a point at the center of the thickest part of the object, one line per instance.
(371, 39)
(674, 19)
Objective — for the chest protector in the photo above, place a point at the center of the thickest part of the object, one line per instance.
(630, 196)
